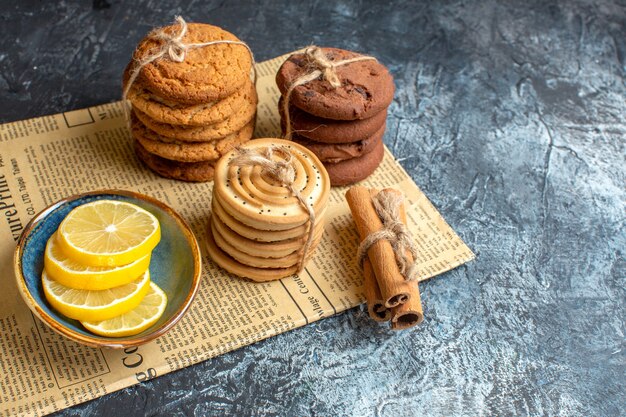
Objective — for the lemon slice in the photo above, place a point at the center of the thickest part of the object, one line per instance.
(135, 321)
(75, 275)
(95, 305)
(108, 233)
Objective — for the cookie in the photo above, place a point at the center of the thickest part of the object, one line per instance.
(185, 171)
(277, 249)
(257, 261)
(337, 152)
(202, 133)
(298, 232)
(259, 201)
(355, 169)
(331, 131)
(188, 151)
(235, 267)
(366, 87)
(170, 112)
(207, 74)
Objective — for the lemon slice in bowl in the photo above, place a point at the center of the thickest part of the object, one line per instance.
(135, 321)
(108, 233)
(95, 305)
(75, 275)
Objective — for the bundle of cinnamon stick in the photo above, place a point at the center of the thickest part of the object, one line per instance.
(391, 290)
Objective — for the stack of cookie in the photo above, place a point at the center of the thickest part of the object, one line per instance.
(343, 126)
(259, 228)
(185, 115)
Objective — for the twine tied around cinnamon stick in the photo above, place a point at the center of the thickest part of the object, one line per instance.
(174, 49)
(284, 173)
(387, 206)
(322, 66)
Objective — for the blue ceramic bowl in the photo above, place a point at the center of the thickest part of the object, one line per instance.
(174, 266)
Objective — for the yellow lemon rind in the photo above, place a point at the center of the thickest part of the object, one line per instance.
(93, 280)
(117, 259)
(95, 327)
(88, 258)
(100, 313)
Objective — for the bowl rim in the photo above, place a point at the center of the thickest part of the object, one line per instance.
(108, 342)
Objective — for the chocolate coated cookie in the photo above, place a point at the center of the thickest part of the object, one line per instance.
(337, 152)
(331, 131)
(355, 169)
(366, 87)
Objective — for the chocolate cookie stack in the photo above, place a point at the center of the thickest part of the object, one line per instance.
(187, 114)
(259, 229)
(342, 125)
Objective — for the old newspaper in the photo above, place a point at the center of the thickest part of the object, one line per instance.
(45, 159)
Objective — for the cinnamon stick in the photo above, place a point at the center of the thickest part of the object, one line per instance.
(410, 313)
(395, 290)
(375, 305)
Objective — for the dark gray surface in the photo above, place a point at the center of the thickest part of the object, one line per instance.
(509, 115)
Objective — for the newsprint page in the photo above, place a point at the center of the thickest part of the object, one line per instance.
(45, 159)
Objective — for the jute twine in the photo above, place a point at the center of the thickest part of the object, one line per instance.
(172, 47)
(283, 172)
(387, 205)
(321, 66)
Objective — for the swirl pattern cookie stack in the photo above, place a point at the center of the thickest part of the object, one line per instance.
(259, 227)
(342, 125)
(187, 114)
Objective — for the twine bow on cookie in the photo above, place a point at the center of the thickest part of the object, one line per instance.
(387, 205)
(172, 48)
(322, 66)
(284, 173)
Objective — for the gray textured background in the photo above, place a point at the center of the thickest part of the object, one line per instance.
(509, 115)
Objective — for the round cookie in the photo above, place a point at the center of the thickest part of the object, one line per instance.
(166, 111)
(253, 234)
(355, 169)
(235, 267)
(366, 87)
(207, 74)
(185, 171)
(257, 261)
(255, 199)
(328, 130)
(337, 152)
(277, 249)
(188, 151)
(202, 133)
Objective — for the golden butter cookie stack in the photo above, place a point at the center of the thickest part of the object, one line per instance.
(344, 124)
(259, 228)
(185, 115)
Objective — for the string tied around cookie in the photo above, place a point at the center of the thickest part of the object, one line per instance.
(322, 66)
(387, 205)
(283, 172)
(172, 48)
